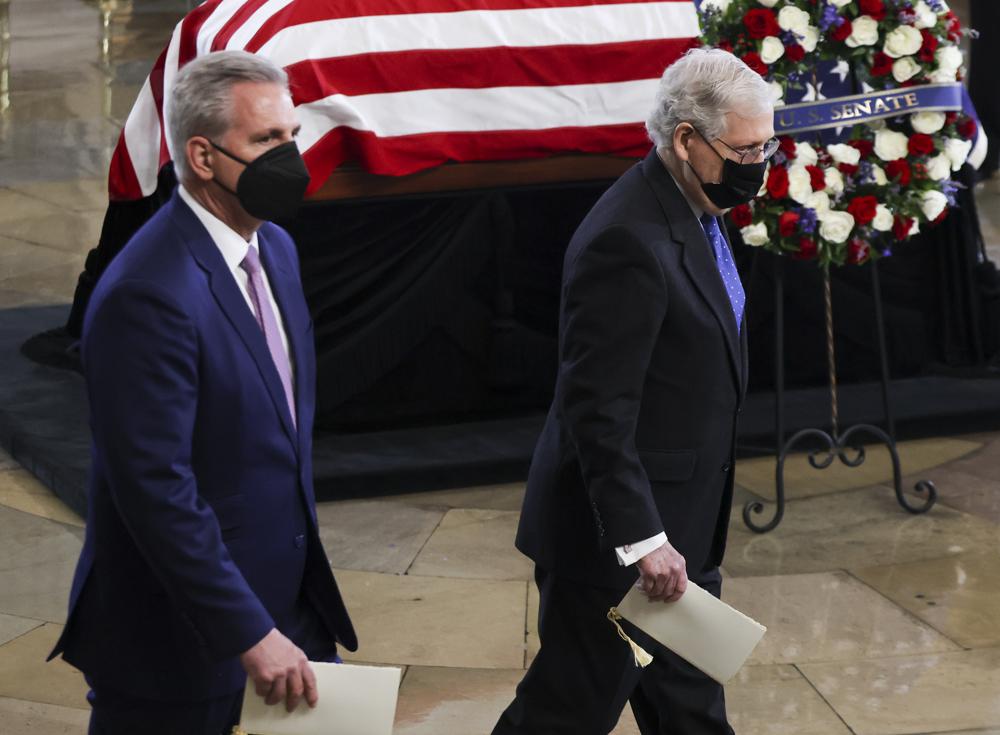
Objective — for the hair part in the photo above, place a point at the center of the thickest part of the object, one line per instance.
(201, 98)
(701, 88)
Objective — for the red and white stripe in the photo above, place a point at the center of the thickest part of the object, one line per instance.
(398, 86)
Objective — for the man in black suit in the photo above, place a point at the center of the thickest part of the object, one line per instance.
(632, 478)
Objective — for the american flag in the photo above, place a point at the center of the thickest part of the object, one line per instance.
(397, 86)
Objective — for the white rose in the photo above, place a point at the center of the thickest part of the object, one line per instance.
(914, 228)
(819, 201)
(890, 145)
(844, 154)
(939, 167)
(864, 32)
(771, 49)
(810, 39)
(799, 184)
(793, 19)
(933, 203)
(721, 5)
(943, 76)
(943, 7)
(755, 235)
(777, 93)
(926, 18)
(836, 226)
(878, 174)
(957, 151)
(806, 154)
(840, 3)
(927, 122)
(903, 41)
(949, 58)
(834, 181)
(768, 3)
(905, 68)
(883, 219)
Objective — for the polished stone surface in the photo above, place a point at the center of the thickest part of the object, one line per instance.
(959, 596)
(476, 544)
(913, 694)
(24, 673)
(22, 491)
(23, 717)
(430, 621)
(827, 617)
(12, 626)
(778, 700)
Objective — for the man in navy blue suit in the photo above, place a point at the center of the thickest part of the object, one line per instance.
(202, 563)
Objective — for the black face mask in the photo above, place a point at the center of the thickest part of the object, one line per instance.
(740, 181)
(273, 184)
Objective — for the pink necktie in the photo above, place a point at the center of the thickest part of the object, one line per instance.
(268, 324)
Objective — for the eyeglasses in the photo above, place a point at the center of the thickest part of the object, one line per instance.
(754, 153)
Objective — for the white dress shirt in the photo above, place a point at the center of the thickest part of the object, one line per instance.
(631, 553)
(234, 249)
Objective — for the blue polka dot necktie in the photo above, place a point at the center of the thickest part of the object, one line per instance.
(726, 266)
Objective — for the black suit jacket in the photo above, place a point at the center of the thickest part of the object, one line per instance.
(652, 376)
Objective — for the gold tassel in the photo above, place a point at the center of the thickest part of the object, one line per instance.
(642, 657)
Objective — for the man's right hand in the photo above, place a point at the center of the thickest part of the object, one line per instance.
(663, 574)
(280, 671)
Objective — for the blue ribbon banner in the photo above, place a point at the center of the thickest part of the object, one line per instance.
(839, 112)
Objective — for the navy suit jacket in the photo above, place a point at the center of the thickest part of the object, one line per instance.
(201, 529)
(652, 375)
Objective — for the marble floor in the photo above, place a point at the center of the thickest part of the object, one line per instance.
(880, 622)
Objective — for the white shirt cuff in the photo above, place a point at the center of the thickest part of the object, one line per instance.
(631, 553)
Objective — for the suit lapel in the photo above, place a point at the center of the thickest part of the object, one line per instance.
(230, 299)
(696, 258)
(282, 286)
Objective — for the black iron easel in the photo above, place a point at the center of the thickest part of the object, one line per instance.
(837, 445)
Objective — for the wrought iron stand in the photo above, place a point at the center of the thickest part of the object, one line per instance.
(845, 445)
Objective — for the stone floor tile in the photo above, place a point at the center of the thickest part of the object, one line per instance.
(20, 717)
(450, 701)
(24, 673)
(64, 231)
(533, 643)
(914, 694)
(485, 497)
(802, 480)
(22, 491)
(827, 617)
(777, 700)
(959, 596)
(850, 530)
(375, 536)
(982, 502)
(12, 626)
(78, 195)
(19, 258)
(7, 462)
(429, 621)
(37, 561)
(49, 285)
(474, 544)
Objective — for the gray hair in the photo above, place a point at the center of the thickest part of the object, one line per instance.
(701, 88)
(201, 99)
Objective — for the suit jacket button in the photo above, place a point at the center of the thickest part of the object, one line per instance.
(725, 467)
(300, 541)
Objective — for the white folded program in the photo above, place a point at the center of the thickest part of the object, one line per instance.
(699, 627)
(353, 700)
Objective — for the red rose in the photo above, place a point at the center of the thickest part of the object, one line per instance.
(954, 26)
(900, 170)
(787, 146)
(788, 223)
(742, 215)
(777, 182)
(921, 144)
(753, 60)
(863, 209)
(761, 23)
(881, 64)
(807, 249)
(874, 8)
(857, 251)
(795, 53)
(847, 169)
(929, 46)
(967, 128)
(950, 117)
(843, 31)
(864, 147)
(901, 227)
(817, 179)
(725, 45)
